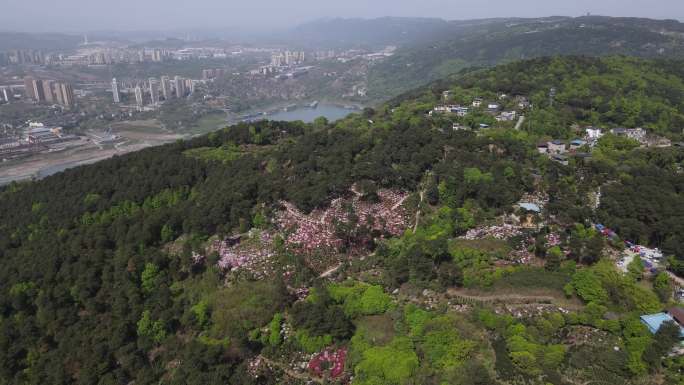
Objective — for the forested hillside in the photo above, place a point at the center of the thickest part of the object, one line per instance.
(501, 41)
(391, 247)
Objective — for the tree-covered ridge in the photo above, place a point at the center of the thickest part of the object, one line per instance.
(138, 268)
(488, 44)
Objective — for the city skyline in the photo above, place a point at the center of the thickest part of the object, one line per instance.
(128, 15)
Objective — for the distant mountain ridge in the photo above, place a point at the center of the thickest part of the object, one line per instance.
(37, 41)
(369, 32)
(489, 42)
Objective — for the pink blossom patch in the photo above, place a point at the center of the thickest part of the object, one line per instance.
(329, 362)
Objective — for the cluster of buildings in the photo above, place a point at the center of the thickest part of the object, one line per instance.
(49, 91)
(559, 150)
(37, 137)
(213, 73)
(93, 54)
(287, 58)
(284, 65)
(492, 108)
(153, 90)
(645, 139)
(22, 57)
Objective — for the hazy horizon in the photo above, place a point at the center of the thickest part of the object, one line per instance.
(74, 16)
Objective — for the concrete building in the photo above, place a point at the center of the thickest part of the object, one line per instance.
(5, 94)
(556, 147)
(189, 86)
(115, 91)
(67, 92)
(34, 89)
(154, 91)
(593, 133)
(49, 91)
(139, 96)
(179, 84)
(28, 87)
(38, 92)
(166, 87)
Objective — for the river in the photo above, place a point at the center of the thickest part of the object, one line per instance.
(307, 114)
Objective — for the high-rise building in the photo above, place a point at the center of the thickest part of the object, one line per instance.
(179, 83)
(139, 96)
(59, 96)
(4, 94)
(157, 55)
(166, 87)
(67, 94)
(48, 91)
(115, 91)
(38, 92)
(28, 87)
(189, 86)
(154, 91)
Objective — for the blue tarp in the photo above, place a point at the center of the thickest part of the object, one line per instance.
(530, 207)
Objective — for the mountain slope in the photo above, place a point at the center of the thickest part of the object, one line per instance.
(283, 253)
(370, 33)
(507, 40)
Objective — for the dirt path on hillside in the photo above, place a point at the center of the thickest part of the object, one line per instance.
(465, 297)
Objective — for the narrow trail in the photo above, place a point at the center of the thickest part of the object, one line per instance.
(520, 122)
(330, 271)
(415, 227)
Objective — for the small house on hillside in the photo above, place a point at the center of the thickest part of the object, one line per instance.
(557, 147)
(506, 116)
(560, 158)
(654, 321)
(593, 133)
(658, 142)
(523, 103)
(638, 134)
(543, 147)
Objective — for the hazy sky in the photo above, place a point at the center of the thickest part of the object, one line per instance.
(83, 15)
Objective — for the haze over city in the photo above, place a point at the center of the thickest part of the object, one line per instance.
(127, 15)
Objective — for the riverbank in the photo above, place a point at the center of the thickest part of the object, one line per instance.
(44, 164)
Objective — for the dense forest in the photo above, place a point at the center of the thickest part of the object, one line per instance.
(190, 263)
